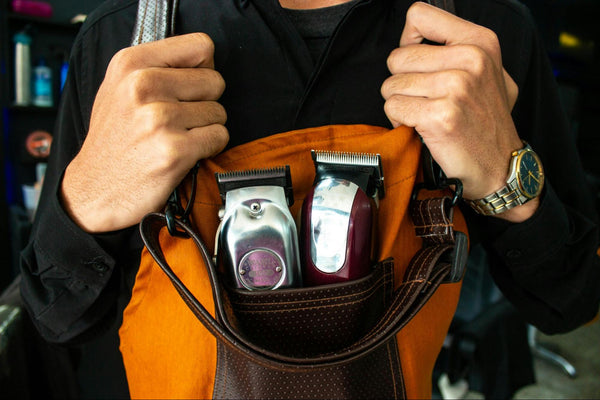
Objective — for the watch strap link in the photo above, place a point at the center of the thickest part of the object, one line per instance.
(504, 199)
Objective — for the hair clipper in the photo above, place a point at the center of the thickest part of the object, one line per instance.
(339, 215)
(257, 242)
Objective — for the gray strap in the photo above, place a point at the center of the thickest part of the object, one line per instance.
(155, 20)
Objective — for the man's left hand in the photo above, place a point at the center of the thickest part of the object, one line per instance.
(458, 97)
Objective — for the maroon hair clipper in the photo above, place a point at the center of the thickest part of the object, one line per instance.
(338, 217)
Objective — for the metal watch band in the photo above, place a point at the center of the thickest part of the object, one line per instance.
(509, 196)
(500, 201)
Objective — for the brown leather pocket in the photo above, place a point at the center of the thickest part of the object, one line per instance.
(336, 341)
(309, 322)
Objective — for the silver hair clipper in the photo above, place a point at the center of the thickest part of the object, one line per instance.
(339, 216)
(257, 242)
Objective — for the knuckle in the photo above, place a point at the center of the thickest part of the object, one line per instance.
(156, 116)
(391, 107)
(215, 112)
(205, 44)
(387, 88)
(210, 140)
(394, 59)
(142, 83)
(400, 58)
(447, 116)
(121, 61)
(203, 39)
(459, 85)
(167, 154)
(216, 82)
(220, 136)
(220, 82)
(415, 10)
(478, 60)
(490, 40)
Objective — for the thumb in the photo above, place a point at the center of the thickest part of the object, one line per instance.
(184, 51)
(424, 21)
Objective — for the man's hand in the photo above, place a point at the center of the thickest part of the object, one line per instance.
(458, 97)
(155, 115)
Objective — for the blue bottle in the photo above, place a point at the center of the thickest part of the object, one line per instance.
(42, 85)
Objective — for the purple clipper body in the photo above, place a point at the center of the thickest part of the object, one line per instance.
(339, 217)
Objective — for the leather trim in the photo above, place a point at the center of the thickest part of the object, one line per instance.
(423, 276)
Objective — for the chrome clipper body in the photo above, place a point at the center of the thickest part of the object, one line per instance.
(339, 215)
(257, 242)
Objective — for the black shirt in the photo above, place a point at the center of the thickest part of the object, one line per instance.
(76, 284)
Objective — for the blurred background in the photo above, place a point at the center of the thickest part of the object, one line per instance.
(562, 366)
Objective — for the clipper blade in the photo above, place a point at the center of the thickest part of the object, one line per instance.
(340, 157)
(352, 166)
(276, 176)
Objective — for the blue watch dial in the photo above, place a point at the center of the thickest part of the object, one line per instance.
(530, 174)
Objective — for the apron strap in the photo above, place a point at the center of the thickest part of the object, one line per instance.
(426, 271)
(155, 20)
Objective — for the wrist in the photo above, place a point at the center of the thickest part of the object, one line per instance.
(80, 206)
(518, 199)
(520, 213)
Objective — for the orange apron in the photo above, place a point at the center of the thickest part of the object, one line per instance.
(169, 354)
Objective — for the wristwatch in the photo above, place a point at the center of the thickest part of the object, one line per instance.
(525, 182)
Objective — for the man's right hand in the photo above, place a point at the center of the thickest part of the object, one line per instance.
(155, 115)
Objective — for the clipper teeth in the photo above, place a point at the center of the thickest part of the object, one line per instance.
(276, 176)
(275, 172)
(352, 166)
(339, 157)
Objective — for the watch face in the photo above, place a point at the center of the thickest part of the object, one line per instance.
(530, 174)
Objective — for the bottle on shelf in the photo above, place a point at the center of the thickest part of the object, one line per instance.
(42, 85)
(22, 42)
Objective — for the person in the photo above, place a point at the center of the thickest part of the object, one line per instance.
(134, 120)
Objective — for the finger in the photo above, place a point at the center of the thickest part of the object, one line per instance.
(184, 51)
(181, 116)
(422, 58)
(424, 21)
(198, 114)
(416, 112)
(169, 84)
(178, 150)
(434, 119)
(429, 58)
(207, 141)
(428, 85)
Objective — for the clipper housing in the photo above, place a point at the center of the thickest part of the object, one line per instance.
(339, 216)
(257, 242)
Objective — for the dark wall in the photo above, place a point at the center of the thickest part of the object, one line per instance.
(52, 40)
(64, 10)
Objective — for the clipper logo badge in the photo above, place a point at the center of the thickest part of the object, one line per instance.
(261, 268)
